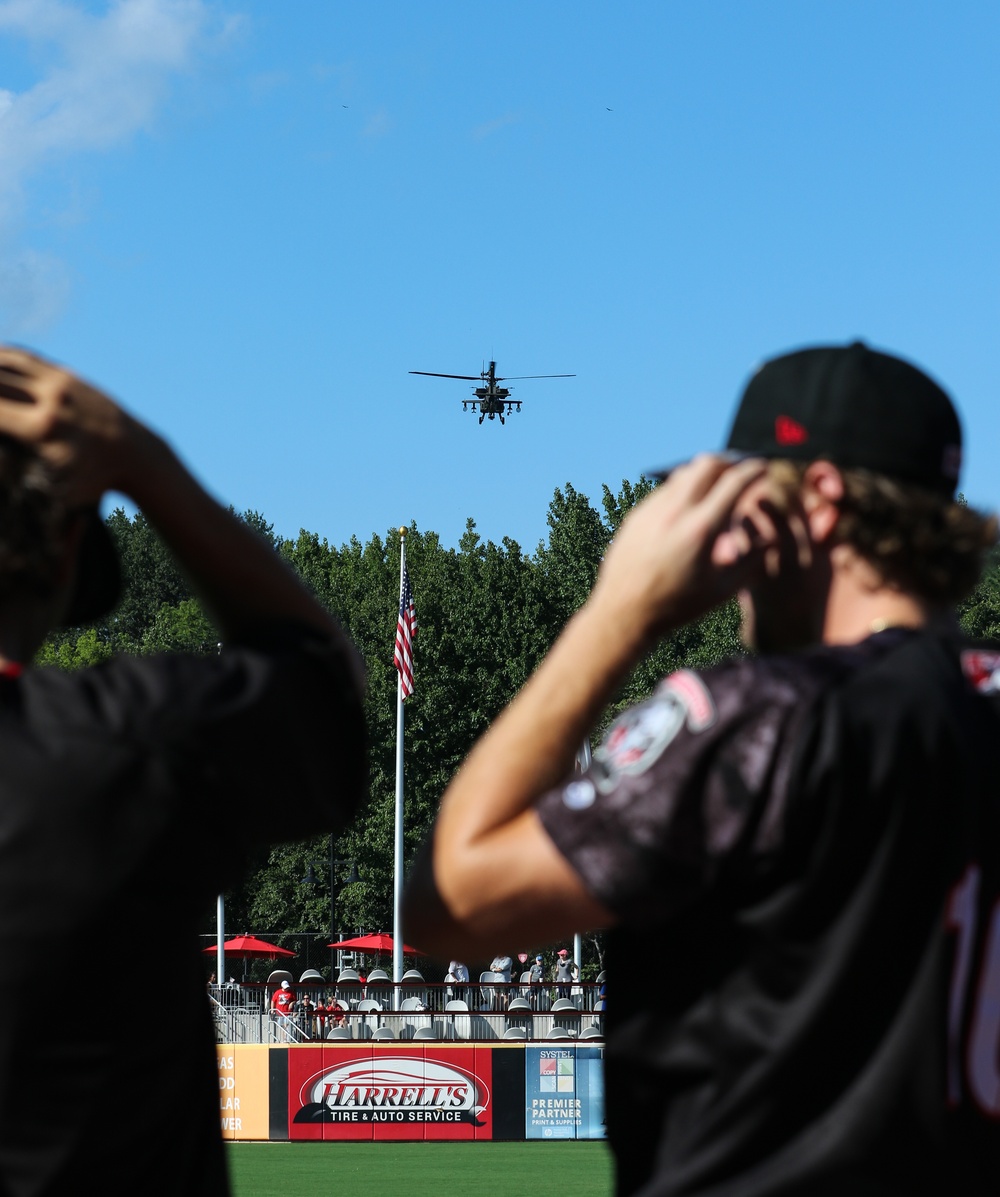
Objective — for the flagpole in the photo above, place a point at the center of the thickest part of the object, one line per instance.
(220, 919)
(220, 940)
(397, 889)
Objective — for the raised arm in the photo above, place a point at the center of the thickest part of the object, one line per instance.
(491, 874)
(95, 446)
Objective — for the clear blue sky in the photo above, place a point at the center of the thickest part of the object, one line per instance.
(249, 220)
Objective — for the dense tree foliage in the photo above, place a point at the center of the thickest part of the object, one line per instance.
(487, 613)
(979, 614)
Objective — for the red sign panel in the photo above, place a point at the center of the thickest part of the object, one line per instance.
(396, 1091)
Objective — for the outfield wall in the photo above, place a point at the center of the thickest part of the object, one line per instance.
(411, 1091)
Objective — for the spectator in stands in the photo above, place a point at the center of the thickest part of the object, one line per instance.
(337, 1014)
(502, 965)
(565, 973)
(458, 980)
(540, 998)
(501, 968)
(282, 1001)
(320, 1016)
(302, 1009)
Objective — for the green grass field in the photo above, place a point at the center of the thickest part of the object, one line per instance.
(419, 1169)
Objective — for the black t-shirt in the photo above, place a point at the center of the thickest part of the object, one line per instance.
(805, 853)
(129, 795)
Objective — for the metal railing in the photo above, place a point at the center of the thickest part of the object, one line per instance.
(473, 1011)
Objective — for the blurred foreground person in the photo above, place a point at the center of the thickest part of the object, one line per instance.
(809, 837)
(130, 792)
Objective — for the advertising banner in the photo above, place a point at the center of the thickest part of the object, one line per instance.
(431, 1091)
(243, 1091)
(564, 1093)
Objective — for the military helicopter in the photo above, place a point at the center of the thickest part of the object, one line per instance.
(491, 400)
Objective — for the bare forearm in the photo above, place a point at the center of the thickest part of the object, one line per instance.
(93, 445)
(532, 746)
(493, 876)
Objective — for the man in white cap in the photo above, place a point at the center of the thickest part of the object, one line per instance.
(282, 1001)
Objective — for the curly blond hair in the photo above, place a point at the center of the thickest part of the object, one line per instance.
(917, 540)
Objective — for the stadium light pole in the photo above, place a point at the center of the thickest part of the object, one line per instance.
(311, 879)
(350, 879)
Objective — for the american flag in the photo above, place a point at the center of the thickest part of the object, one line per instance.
(406, 629)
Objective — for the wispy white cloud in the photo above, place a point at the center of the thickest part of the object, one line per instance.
(494, 126)
(104, 82)
(103, 78)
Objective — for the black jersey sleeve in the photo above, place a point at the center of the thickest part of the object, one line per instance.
(685, 786)
(268, 736)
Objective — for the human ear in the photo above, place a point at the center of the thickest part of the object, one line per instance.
(822, 492)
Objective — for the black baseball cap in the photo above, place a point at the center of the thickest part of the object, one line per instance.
(856, 407)
(98, 582)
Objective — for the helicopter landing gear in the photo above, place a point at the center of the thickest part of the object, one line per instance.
(481, 418)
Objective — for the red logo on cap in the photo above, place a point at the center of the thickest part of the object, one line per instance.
(789, 432)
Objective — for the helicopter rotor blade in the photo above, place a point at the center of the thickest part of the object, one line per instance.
(513, 377)
(432, 374)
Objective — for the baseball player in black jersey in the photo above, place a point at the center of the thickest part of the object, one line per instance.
(809, 835)
(131, 792)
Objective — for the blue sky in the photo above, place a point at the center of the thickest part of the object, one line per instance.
(249, 221)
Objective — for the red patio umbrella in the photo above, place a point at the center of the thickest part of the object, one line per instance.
(373, 943)
(245, 947)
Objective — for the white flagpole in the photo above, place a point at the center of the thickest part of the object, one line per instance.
(220, 940)
(397, 888)
(220, 920)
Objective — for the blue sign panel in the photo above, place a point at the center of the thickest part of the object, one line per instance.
(564, 1093)
(590, 1091)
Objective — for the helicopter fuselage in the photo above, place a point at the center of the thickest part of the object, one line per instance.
(490, 400)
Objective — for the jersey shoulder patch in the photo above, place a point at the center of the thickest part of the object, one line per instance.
(639, 736)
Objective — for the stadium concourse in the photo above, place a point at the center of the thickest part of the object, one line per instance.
(311, 1009)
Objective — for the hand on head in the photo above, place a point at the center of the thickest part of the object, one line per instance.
(700, 536)
(777, 521)
(86, 437)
